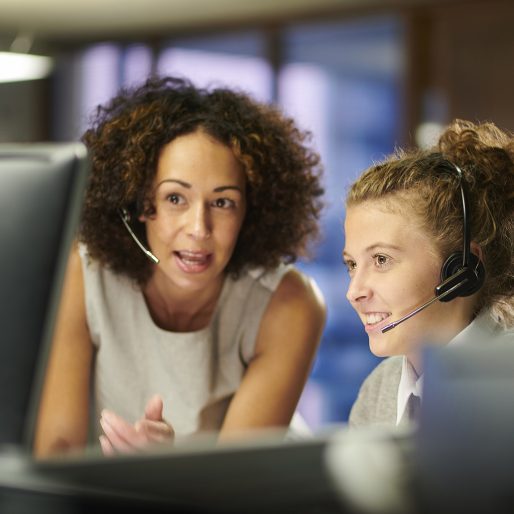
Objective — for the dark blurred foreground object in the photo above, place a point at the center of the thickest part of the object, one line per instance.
(342, 472)
(41, 188)
(465, 444)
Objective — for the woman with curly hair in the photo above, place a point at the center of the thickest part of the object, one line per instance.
(181, 309)
(430, 252)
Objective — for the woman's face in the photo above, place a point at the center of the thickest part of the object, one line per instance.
(394, 267)
(200, 205)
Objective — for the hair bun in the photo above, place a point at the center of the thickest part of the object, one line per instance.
(483, 152)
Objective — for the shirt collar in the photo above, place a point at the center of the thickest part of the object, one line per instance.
(481, 328)
(410, 383)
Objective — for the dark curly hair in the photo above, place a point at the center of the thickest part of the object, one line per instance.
(125, 140)
(485, 154)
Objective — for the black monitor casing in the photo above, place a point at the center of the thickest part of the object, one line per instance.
(41, 190)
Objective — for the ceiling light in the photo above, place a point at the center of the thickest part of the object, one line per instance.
(16, 67)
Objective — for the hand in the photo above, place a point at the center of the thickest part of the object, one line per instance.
(120, 436)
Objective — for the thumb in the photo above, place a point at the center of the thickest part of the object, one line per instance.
(153, 409)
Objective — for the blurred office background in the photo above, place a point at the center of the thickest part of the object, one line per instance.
(363, 76)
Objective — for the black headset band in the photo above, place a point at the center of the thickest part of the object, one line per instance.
(466, 214)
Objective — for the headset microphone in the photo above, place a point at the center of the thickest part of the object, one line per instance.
(440, 297)
(463, 273)
(125, 217)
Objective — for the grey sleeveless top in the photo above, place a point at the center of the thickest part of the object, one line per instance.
(196, 373)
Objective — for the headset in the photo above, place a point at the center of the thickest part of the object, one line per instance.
(464, 270)
(125, 217)
(462, 273)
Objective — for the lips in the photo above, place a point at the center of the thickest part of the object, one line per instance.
(193, 261)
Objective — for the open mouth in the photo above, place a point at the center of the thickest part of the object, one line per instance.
(193, 262)
(375, 319)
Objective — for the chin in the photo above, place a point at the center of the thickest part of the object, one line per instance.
(382, 346)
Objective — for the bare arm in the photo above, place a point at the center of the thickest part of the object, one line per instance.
(63, 414)
(286, 344)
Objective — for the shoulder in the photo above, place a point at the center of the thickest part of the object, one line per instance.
(299, 288)
(284, 284)
(298, 293)
(295, 314)
(266, 309)
(98, 275)
(268, 279)
(74, 270)
(108, 295)
(386, 375)
(388, 365)
(490, 325)
(88, 264)
(387, 372)
(377, 398)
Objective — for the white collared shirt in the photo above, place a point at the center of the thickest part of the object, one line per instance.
(410, 383)
(483, 327)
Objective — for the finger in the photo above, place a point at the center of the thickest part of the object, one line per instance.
(117, 442)
(116, 421)
(121, 434)
(123, 428)
(153, 409)
(158, 431)
(105, 444)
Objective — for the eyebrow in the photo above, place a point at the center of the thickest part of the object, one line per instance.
(187, 185)
(376, 246)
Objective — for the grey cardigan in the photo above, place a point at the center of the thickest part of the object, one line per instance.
(376, 403)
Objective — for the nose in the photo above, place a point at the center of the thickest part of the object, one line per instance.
(358, 288)
(199, 223)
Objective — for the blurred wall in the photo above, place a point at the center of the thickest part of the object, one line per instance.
(461, 57)
(24, 113)
(459, 64)
(473, 61)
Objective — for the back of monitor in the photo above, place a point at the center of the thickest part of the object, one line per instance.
(41, 188)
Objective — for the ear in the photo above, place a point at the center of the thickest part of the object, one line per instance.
(476, 249)
(147, 212)
(146, 216)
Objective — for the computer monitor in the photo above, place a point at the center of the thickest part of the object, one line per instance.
(465, 449)
(41, 190)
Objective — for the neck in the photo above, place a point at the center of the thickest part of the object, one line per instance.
(178, 310)
(461, 317)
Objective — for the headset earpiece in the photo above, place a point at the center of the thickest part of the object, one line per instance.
(124, 213)
(465, 279)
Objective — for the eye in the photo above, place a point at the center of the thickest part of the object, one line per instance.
(224, 203)
(381, 260)
(175, 199)
(350, 265)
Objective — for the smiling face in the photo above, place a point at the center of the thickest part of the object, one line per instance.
(394, 266)
(199, 199)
